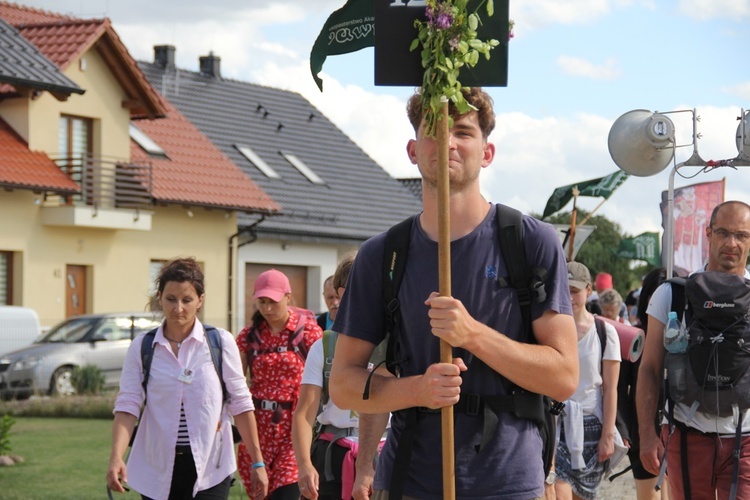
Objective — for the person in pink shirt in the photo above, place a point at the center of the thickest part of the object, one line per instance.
(183, 448)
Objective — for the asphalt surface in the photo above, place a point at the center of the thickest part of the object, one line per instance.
(622, 488)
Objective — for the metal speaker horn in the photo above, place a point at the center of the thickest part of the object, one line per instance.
(642, 142)
(743, 135)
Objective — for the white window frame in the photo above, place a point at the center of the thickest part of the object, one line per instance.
(256, 160)
(146, 143)
(303, 168)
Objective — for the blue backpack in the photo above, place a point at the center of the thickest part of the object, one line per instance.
(215, 346)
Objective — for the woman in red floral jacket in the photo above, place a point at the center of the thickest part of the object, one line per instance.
(273, 350)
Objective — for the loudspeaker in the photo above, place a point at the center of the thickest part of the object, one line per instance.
(744, 147)
(642, 142)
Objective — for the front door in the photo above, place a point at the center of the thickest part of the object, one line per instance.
(75, 290)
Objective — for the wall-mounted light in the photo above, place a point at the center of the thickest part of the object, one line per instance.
(285, 246)
(743, 135)
(642, 143)
(189, 213)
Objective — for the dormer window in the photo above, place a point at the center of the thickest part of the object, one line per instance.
(146, 143)
(259, 162)
(303, 168)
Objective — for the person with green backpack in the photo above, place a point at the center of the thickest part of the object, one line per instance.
(324, 436)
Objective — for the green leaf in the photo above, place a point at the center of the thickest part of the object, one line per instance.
(414, 45)
(476, 44)
(473, 22)
(490, 8)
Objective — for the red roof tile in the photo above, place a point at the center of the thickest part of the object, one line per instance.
(196, 171)
(63, 41)
(23, 168)
(63, 38)
(20, 14)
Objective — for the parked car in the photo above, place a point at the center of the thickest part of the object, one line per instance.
(46, 366)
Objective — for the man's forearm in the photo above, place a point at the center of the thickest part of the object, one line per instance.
(646, 401)
(371, 429)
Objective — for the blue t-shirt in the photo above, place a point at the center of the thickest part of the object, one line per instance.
(510, 466)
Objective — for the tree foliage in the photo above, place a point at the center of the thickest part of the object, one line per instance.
(598, 251)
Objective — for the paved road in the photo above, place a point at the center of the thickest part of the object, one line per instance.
(622, 488)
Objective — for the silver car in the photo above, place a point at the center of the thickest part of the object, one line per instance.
(46, 366)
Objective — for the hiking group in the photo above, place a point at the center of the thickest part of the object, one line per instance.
(348, 405)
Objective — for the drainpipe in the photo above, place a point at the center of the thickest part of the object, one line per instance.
(250, 230)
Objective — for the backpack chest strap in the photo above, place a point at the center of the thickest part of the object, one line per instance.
(279, 349)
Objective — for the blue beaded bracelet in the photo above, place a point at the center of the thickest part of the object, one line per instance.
(257, 465)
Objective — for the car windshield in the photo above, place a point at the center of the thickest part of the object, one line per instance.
(72, 330)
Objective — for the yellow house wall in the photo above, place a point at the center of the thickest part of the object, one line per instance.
(15, 112)
(117, 261)
(102, 102)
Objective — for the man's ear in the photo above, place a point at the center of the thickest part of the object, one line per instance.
(411, 150)
(489, 154)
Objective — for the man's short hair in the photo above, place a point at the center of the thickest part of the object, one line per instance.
(610, 296)
(715, 212)
(473, 95)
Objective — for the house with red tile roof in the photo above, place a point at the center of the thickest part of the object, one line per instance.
(102, 179)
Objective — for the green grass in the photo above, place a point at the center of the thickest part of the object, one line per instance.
(65, 458)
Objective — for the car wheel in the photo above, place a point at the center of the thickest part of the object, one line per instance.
(62, 382)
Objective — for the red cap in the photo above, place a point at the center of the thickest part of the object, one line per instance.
(272, 284)
(603, 281)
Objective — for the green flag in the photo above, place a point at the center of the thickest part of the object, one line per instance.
(349, 29)
(642, 247)
(603, 187)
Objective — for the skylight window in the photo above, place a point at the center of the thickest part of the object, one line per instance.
(146, 143)
(259, 162)
(304, 169)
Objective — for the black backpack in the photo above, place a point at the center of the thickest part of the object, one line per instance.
(529, 283)
(713, 374)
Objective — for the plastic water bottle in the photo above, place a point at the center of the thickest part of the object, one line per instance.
(675, 338)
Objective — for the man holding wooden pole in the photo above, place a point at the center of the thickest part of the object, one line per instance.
(497, 454)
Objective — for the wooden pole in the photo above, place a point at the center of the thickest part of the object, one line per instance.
(584, 221)
(573, 224)
(444, 276)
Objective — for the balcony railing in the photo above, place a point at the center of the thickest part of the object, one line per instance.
(108, 183)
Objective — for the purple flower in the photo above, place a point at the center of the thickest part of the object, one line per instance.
(444, 21)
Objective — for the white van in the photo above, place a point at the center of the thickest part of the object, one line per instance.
(19, 327)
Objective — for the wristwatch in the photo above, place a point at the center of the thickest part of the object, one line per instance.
(551, 478)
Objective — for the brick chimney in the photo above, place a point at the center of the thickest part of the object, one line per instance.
(164, 56)
(210, 65)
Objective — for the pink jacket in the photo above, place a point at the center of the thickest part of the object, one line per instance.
(152, 456)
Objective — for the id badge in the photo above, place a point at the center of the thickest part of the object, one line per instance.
(186, 376)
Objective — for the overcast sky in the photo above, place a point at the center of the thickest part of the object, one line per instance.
(574, 68)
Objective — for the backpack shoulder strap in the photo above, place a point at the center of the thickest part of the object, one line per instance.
(678, 295)
(296, 338)
(329, 345)
(602, 332)
(217, 356)
(510, 227)
(147, 354)
(395, 252)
